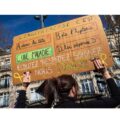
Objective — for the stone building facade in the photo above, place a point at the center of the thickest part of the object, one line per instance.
(90, 83)
(5, 77)
(8, 92)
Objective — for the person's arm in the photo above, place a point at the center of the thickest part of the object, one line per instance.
(114, 90)
(21, 99)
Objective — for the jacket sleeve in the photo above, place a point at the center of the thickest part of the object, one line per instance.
(21, 99)
(114, 90)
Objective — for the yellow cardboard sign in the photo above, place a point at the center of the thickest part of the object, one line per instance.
(64, 48)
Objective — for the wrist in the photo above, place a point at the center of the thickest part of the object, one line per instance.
(106, 75)
(24, 88)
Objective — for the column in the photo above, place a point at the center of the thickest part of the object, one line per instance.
(92, 74)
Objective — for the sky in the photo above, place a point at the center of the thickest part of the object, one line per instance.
(13, 25)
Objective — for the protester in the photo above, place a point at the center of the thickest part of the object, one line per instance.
(21, 100)
(62, 92)
(67, 91)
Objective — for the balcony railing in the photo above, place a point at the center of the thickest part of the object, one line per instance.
(5, 67)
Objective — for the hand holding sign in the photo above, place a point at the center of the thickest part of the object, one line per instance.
(26, 79)
(65, 48)
(101, 68)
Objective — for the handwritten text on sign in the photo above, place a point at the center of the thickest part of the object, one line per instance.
(34, 55)
(65, 48)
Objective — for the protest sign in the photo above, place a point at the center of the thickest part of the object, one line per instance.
(65, 48)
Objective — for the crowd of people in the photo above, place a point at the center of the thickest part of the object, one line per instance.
(62, 92)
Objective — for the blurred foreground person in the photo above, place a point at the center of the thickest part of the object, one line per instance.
(68, 90)
(62, 92)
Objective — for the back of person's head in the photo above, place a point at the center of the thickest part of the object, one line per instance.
(66, 83)
(48, 90)
(59, 88)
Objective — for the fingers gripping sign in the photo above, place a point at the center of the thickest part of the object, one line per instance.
(98, 64)
(26, 78)
(101, 68)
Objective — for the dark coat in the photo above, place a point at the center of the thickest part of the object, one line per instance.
(111, 102)
(68, 102)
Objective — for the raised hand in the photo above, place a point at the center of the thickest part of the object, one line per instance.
(26, 79)
(100, 67)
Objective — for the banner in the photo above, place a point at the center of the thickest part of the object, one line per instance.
(65, 48)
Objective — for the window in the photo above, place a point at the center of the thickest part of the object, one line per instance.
(1, 63)
(117, 61)
(84, 73)
(112, 44)
(87, 86)
(101, 84)
(5, 64)
(5, 81)
(101, 87)
(35, 96)
(4, 99)
(7, 61)
(117, 80)
(8, 50)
